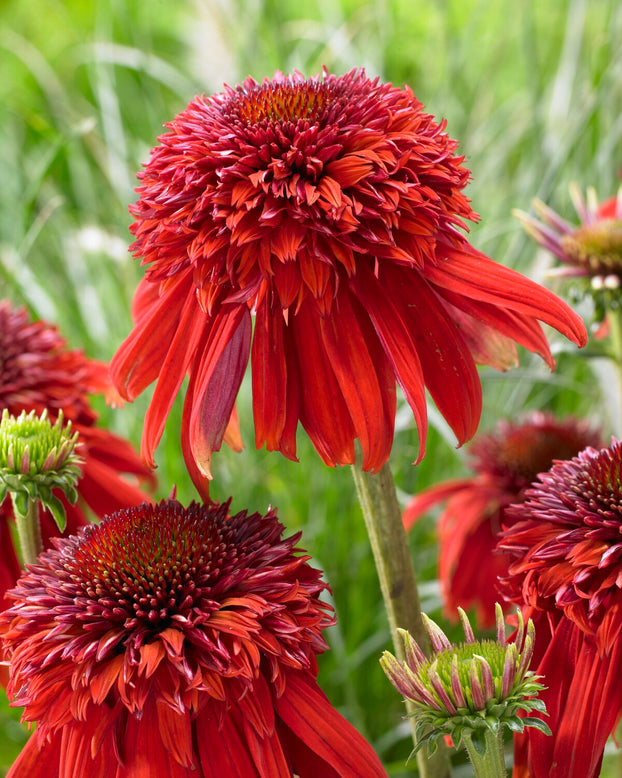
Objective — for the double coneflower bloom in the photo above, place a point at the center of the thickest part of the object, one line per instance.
(39, 373)
(565, 546)
(505, 462)
(330, 208)
(176, 642)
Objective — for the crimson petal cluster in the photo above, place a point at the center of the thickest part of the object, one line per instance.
(180, 642)
(331, 208)
(565, 546)
(505, 462)
(39, 373)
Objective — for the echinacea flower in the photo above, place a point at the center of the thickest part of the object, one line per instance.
(566, 573)
(591, 250)
(505, 461)
(38, 373)
(330, 208)
(180, 642)
(469, 691)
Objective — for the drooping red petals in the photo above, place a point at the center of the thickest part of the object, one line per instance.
(309, 715)
(276, 385)
(472, 274)
(216, 382)
(139, 359)
(333, 200)
(324, 412)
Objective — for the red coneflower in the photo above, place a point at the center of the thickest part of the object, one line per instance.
(566, 573)
(180, 642)
(38, 373)
(505, 461)
(329, 207)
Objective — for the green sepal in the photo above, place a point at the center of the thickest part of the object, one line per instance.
(478, 740)
(57, 509)
(20, 502)
(538, 724)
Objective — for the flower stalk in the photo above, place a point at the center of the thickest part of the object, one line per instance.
(491, 763)
(389, 544)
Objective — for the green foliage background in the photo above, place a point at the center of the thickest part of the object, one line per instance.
(531, 89)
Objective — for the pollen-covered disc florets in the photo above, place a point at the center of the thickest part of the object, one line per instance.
(464, 690)
(189, 627)
(37, 457)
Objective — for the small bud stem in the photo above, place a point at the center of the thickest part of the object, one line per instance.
(614, 317)
(29, 531)
(389, 544)
(490, 764)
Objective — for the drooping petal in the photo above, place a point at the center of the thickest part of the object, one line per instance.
(345, 341)
(308, 714)
(448, 367)
(214, 384)
(275, 383)
(222, 750)
(35, 761)
(470, 273)
(138, 360)
(422, 502)
(398, 345)
(323, 411)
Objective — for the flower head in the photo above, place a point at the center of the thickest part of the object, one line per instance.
(37, 457)
(330, 208)
(468, 688)
(177, 639)
(505, 462)
(565, 545)
(39, 374)
(591, 250)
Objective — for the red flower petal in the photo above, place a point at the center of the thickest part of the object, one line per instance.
(214, 385)
(309, 715)
(323, 411)
(139, 358)
(448, 368)
(398, 345)
(345, 341)
(472, 274)
(275, 382)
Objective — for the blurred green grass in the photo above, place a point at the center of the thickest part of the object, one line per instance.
(531, 90)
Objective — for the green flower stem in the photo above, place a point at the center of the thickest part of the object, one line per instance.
(389, 544)
(614, 317)
(490, 764)
(29, 531)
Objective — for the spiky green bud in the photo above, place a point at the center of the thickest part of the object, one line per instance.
(470, 689)
(37, 457)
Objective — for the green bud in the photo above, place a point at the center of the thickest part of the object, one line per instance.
(37, 457)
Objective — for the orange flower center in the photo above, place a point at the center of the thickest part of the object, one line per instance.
(596, 246)
(285, 102)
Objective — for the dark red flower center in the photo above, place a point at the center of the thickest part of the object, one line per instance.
(149, 565)
(36, 370)
(518, 453)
